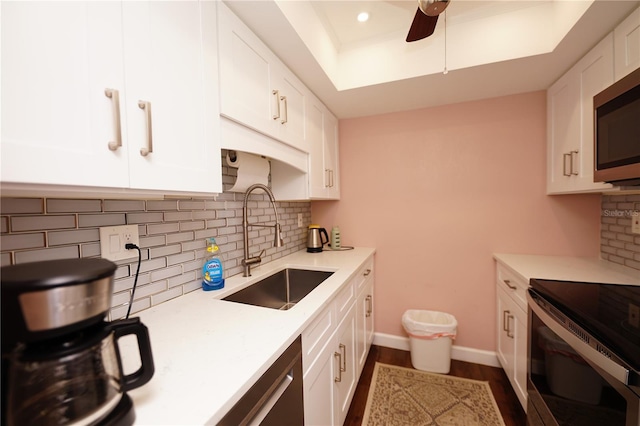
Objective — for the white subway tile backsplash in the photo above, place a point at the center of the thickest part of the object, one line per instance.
(70, 252)
(44, 222)
(98, 220)
(71, 206)
(172, 237)
(10, 206)
(123, 205)
(617, 243)
(59, 238)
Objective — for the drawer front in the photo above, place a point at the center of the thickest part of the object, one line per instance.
(345, 299)
(515, 286)
(364, 274)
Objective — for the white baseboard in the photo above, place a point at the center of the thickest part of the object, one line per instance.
(459, 353)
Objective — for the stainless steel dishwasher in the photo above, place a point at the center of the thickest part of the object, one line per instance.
(276, 398)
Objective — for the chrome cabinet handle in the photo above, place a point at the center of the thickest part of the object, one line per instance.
(286, 110)
(343, 350)
(506, 316)
(146, 106)
(564, 164)
(327, 178)
(508, 283)
(331, 178)
(369, 300)
(575, 173)
(115, 96)
(276, 94)
(339, 356)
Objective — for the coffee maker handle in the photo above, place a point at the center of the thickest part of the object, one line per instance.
(324, 240)
(145, 372)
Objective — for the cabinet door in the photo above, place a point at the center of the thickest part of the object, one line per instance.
(292, 102)
(315, 130)
(322, 136)
(331, 156)
(506, 334)
(171, 71)
(519, 327)
(245, 75)
(570, 155)
(319, 385)
(595, 75)
(626, 39)
(512, 343)
(57, 60)
(345, 367)
(364, 323)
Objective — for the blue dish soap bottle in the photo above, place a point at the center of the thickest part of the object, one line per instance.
(212, 271)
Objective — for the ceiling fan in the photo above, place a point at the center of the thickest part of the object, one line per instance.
(424, 23)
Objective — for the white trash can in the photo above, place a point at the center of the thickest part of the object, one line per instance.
(430, 337)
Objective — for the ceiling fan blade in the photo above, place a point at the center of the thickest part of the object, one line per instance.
(422, 26)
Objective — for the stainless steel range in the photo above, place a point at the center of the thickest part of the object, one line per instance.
(584, 354)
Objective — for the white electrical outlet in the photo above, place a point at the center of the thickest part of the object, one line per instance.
(635, 222)
(300, 222)
(113, 240)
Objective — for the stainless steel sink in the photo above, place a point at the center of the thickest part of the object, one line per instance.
(281, 290)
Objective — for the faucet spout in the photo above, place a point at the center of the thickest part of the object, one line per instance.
(277, 242)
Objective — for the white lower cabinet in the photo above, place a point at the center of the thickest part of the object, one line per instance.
(332, 348)
(512, 330)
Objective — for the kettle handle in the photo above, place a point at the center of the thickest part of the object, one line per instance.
(141, 376)
(326, 239)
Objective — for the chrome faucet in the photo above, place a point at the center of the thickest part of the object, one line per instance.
(277, 242)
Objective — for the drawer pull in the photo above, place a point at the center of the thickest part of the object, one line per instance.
(369, 300)
(367, 272)
(511, 286)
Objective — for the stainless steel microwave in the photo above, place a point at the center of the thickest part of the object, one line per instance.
(617, 132)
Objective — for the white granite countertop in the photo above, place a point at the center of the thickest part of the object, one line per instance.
(209, 352)
(565, 268)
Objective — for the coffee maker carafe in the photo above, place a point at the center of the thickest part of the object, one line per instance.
(60, 359)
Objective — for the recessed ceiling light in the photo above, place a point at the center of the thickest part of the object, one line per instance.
(363, 17)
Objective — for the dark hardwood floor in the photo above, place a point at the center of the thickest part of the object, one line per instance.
(508, 403)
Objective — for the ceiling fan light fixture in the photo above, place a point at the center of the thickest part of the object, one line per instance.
(433, 7)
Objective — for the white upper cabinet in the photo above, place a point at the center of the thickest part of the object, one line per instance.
(322, 132)
(57, 60)
(256, 89)
(75, 76)
(626, 38)
(171, 68)
(570, 156)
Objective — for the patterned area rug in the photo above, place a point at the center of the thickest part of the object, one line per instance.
(403, 396)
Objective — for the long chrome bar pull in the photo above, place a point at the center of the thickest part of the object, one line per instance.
(146, 106)
(114, 95)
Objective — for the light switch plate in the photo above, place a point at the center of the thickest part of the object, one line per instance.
(113, 240)
(300, 222)
(635, 223)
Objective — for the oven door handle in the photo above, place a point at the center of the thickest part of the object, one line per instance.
(592, 356)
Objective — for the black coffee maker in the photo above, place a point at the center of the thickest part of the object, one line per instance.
(60, 359)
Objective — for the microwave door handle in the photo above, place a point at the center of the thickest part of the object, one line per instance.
(592, 356)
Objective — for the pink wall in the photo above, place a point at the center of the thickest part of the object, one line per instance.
(437, 191)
